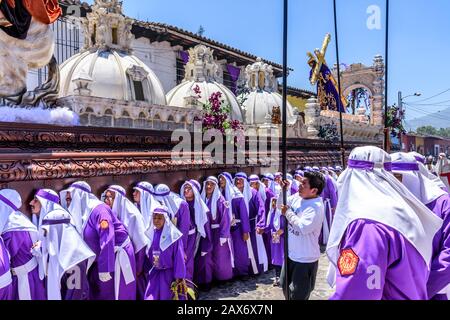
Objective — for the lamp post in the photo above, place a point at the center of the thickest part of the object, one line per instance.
(400, 108)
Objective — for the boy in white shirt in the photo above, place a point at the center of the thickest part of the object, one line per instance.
(305, 215)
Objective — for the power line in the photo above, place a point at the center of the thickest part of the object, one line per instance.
(436, 95)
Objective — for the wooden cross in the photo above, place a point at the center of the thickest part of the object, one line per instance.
(320, 58)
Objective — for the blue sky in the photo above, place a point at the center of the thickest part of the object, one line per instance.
(419, 40)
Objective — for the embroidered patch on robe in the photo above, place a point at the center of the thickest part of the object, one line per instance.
(104, 224)
(347, 262)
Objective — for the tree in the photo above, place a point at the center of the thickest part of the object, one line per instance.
(427, 130)
(430, 130)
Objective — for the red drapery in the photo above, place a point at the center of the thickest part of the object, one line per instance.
(45, 11)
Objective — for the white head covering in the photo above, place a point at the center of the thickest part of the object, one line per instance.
(200, 207)
(49, 202)
(276, 189)
(247, 189)
(369, 191)
(421, 161)
(62, 249)
(169, 234)
(261, 189)
(231, 192)
(148, 202)
(276, 212)
(168, 199)
(441, 164)
(215, 196)
(130, 216)
(420, 186)
(82, 204)
(11, 219)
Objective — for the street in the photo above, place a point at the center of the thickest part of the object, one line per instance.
(261, 288)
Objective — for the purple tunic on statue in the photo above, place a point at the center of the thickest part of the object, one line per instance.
(277, 247)
(19, 245)
(440, 264)
(382, 252)
(257, 218)
(204, 264)
(220, 228)
(240, 251)
(6, 292)
(166, 267)
(266, 236)
(104, 233)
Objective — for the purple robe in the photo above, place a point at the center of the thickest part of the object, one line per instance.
(382, 251)
(440, 263)
(103, 242)
(277, 249)
(329, 196)
(294, 188)
(19, 245)
(6, 292)
(82, 292)
(240, 251)
(166, 267)
(142, 269)
(204, 264)
(257, 218)
(266, 236)
(189, 249)
(220, 228)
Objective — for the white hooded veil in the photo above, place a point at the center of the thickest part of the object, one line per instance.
(148, 202)
(215, 196)
(170, 233)
(418, 184)
(167, 198)
(200, 207)
(62, 246)
(261, 189)
(369, 191)
(82, 204)
(130, 216)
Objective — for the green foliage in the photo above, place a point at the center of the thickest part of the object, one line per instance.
(430, 130)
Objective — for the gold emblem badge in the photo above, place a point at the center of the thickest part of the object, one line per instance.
(347, 262)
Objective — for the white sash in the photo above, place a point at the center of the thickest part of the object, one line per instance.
(22, 278)
(251, 255)
(5, 280)
(122, 265)
(262, 254)
(325, 229)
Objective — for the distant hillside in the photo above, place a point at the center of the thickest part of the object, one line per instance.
(438, 120)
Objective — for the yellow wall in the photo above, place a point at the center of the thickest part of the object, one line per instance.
(298, 103)
(420, 144)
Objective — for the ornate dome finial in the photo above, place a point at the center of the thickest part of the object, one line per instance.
(259, 76)
(106, 27)
(201, 66)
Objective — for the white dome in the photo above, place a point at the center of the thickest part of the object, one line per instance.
(176, 96)
(110, 74)
(259, 104)
(263, 95)
(202, 70)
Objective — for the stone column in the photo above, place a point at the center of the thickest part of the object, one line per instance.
(312, 114)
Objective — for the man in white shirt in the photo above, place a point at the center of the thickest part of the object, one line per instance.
(304, 213)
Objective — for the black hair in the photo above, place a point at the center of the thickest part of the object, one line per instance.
(316, 180)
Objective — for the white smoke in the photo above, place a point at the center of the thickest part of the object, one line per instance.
(56, 116)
